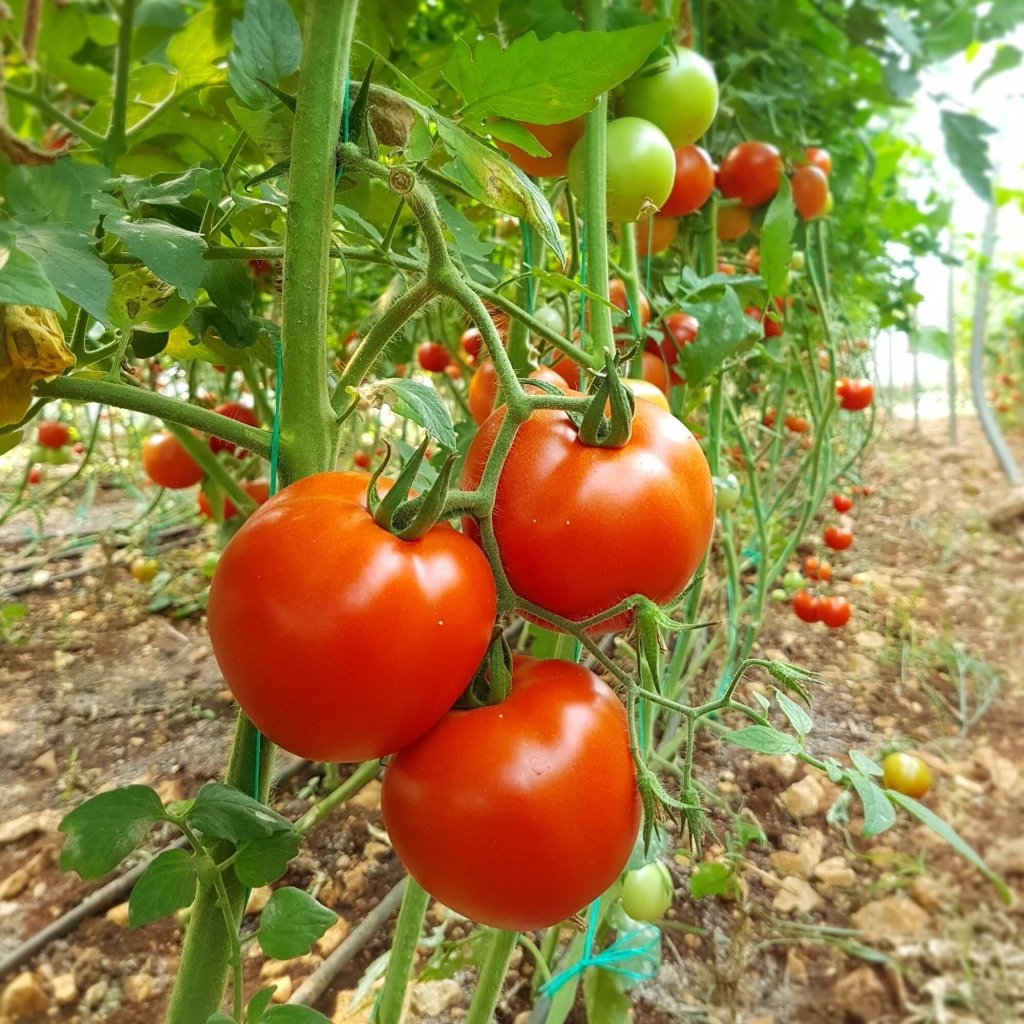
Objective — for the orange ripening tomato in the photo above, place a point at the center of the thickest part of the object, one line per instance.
(655, 234)
(694, 182)
(655, 371)
(647, 507)
(258, 490)
(796, 424)
(816, 570)
(820, 158)
(731, 222)
(517, 777)
(483, 387)
(302, 620)
(810, 192)
(645, 391)
(166, 463)
(557, 139)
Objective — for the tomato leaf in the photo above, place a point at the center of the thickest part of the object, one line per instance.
(604, 995)
(724, 330)
(864, 764)
(172, 253)
(258, 1004)
(776, 239)
(267, 45)
(293, 1014)
(933, 341)
(546, 81)
(262, 861)
(139, 299)
(951, 836)
(106, 828)
(227, 813)
(967, 147)
(167, 885)
(58, 194)
(22, 280)
(1006, 59)
(797, 717)
(198, 51)
(291, 922)
(763, 739)
(713, 879)
(207, 181)
(878, 812)
(419, 403)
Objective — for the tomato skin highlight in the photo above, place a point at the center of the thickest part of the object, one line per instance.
(646, 510)
(834, 611)
(906, 774)
(507, 785)
(693, 185)
(302, 619)
(51, 434)
(838, 538)
(557, 139)
(168, 464)
(750, 172)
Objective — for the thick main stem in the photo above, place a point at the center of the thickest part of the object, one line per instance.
(403, 953)
(492, 976)
(307, 420)
(115, 142)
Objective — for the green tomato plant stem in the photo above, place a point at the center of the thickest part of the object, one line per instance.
(492, 975)
(213, 467)
(415, 901)
(631, 279)
(115, 142)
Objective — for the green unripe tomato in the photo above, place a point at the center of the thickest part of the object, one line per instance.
(641, 167)
(208, 563)
(679, 94)
(793, 581)
(550, 317)
(727, 492)
(647, 892)
(797, 261)
(779, 595)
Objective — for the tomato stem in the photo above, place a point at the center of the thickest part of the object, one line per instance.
(115, 142)
(492, 975)
(415, 901)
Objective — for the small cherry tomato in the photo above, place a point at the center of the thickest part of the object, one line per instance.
(647, 391)
(793, 581)
(78, 448)
(810, 192)
(806, 606)
(694, 183)
(618, 298)
(647, 892)
(655, 371)
(361, 459)
(816, 570)
(820, 158)
(655, 234)
(838, 538)
(433, 357)
(796, 424)
(144, 569)
(472, 341)
(731, 222)
(168, 464)
(768, 419)
(52, 434)
(242, 414)
(727, 492)
(680, 329)
(855, 395)
(842, 502)
(483, 387)
(834, 611)
(35, 475)
(906, 774)
(750, 172)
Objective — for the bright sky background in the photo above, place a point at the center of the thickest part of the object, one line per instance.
(1000, 101)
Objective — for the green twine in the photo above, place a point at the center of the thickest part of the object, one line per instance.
(624, 948)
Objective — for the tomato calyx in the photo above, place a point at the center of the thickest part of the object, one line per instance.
(493, 680)
(596, 430)
(409, 517)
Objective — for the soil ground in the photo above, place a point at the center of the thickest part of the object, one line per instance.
(96, 691)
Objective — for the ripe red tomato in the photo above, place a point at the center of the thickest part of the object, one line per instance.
(834, 611)
(51, 434)
(731, 222)
(906, 774)
(483, 387)
(769, 419)
(655, 234)
(472, 341)
(752, 260)
(796, 424)
(810, 192)
(647, 391)
(820, 158)
(816, 570)
(35, 475)
(617, 297)
(258, 490)
(482, 786)
(568, 370)
(557, 139)
(78, 448)
(842, 502)
(770, 327)
(302, 619)
(641, 167)
(838, 538)
(679, 94)
(233, 411)
(750, 172)
(856, 394)
(433, 357)
(727, 268)
(655, 371)
(680, 330)
(648, 508)
(806, 606)
(168, 464)
(694, 182)
(361, 459)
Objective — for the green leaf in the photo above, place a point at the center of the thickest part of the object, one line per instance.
(864, 764)
(878, 812)
(22, 280)
(230, 289)
(951, 836)
(68, 257)
(198, 50)
(724, 330)
(172, 253)
(293, 1014)
(834, 770)
(141, 300)
(1006, 59)
(933, 341)
(267, 45)
(419, 403)
(605, 997)
(258, 1004)
(106, 828)
(207, 181)
(58, 193)
(776, 239)
(225, 812)
(291, 922)
(763, 740)
(262, 861)
(967, 146)
(464, 231)
(547, 81)
(267, 128)
(798, 718)
(167, 885)
(220, 1018)
(712, 879)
